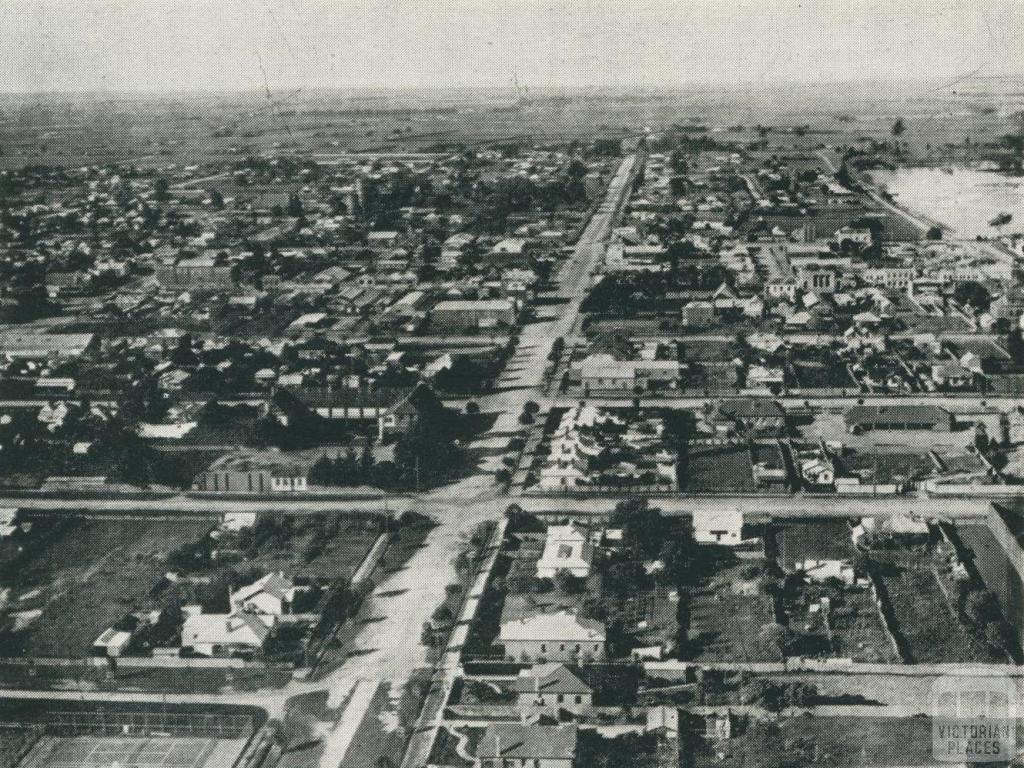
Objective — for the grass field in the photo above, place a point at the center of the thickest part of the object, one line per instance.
(87, 578)
(718, 471)
(832, 741)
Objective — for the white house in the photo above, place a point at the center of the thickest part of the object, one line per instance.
(821, 570)
(8, 521)
(237, 521)
(723, 526)
(212, 634)
(272, 595)
(567, 548)
(559, 635)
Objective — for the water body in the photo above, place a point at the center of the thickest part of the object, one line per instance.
(964, 199)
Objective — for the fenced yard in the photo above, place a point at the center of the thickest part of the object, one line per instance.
(87, 578)
(728, 614)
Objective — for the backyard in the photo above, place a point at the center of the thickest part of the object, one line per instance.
(828, 741)
(716, 470)
(728, 616)
(87, 577)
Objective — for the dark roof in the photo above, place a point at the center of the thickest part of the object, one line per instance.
(516, 741)
(906, 414)
(751, 408)
(551, 678)
(385, 397)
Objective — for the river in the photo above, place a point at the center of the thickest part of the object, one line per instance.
(964, 199)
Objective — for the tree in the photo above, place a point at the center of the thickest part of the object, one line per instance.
(366, 464)
(161, 189)
(973, 293)
(569, 584)
(898, 127)
(216, 200)
(472, 407)
(294, 205)
(135, 468)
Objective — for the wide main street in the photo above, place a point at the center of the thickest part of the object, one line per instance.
(386, 650)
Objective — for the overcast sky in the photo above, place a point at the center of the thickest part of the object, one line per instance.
(163, 45)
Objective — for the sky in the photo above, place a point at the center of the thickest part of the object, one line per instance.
(174, 45)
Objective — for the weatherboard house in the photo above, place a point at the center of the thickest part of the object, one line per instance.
(221, 634)
(272, 595)
(532, 630)
(514, 745)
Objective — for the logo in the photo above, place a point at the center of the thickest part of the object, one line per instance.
(974, 718)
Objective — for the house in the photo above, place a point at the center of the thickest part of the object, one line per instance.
(234, 522)
(531, 630)
(552, 686)
(112, 642)
(28, 345)
(222, 634)
(272, 595)
(395, 409)
(891, 418)
(201, 273)
(764, 377)
(8, 521)
(718, 527)
(516, 745)
(822, 570)
(756, 416)
(456, 315)
(952, 376)
(251, 472)
(698, 314)
(567, 548)
(602, 371)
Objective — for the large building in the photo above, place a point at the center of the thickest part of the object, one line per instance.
(30, 345)
(532, 630)
(891, 418)
(201, 273)
(252, 473)
(456, 315)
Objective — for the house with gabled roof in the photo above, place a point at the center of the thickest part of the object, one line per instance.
(514, 745)
(223, 634)
(272, 595)
(533, 628)
(552, 686)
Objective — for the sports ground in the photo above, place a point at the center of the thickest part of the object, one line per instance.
(153, 751)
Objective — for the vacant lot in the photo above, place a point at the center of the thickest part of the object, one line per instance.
(832, 741)
(326, 547)
(719, 470)
(728, 616)
(820, 540)
(87, 578)
(925, 619)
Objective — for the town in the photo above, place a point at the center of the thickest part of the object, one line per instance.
(492, 429)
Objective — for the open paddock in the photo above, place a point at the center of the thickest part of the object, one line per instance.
(87, 577)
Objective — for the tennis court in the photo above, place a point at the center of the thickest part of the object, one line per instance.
(135, 752)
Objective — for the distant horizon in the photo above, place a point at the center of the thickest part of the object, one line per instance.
(576, 88)
(231, 46)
